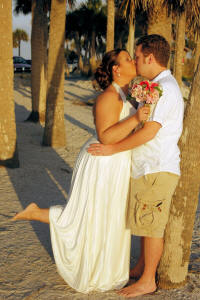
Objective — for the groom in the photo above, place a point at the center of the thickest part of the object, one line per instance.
(155, 163)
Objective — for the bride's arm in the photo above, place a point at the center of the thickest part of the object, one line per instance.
(107, 111)
(140, 137)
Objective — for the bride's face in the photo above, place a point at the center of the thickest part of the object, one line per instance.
(127, 66)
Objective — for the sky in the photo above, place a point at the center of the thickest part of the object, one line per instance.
(23, 22)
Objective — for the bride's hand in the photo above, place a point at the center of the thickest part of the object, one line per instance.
(100, 149)
(142, 113)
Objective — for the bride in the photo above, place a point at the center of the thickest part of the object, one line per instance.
(90, 241)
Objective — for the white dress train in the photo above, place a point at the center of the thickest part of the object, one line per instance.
(90, 241)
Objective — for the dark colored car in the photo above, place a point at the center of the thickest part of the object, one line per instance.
(29, 61)
(20, 64)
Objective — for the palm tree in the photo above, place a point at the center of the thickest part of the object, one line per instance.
(179, 46)
(194, 27)
(110, 25)
(131, 37)
(39, 38)
(187, 21)
(18, 36)
(87, 27)
(75, 26)
(54, 132)
(8, 140)
(23, 6)
(173, 268)
(96, 9)
(121, 31)
(159, 21)
(128, 9)
(197, 51)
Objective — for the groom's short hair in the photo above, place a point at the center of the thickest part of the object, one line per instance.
(157, 45)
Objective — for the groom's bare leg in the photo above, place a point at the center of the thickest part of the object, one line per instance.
(153, 248)
(139, 267)
(33, 213)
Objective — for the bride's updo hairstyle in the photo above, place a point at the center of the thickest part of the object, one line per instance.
(103, 74)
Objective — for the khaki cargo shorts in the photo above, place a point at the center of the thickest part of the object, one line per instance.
(149, 203)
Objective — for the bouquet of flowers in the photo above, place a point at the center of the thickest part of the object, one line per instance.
(147, 92)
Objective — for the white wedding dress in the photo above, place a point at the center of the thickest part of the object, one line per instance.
(90, 241)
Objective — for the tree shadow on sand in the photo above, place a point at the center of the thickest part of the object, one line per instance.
(22, 84)
(44, 176)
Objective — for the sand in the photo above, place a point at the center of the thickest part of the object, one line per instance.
(27, 268)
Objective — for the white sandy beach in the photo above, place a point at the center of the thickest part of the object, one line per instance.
(27, 268)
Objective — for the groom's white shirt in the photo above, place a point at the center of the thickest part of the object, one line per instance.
(161, 154)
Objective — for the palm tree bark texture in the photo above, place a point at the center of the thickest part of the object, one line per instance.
(8, 141)
(110, 25)
(179, 47)
(39, 38)
(158, 20)
(173, 268)
(54, 132)
(197, 51)
(131, 37)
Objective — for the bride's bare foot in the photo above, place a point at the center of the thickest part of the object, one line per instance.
(27, 213)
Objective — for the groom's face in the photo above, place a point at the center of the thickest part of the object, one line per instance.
(141, 62)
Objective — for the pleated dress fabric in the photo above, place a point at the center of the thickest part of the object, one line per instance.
(90, 241)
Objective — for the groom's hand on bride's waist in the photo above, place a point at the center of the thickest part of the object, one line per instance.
(101, 150)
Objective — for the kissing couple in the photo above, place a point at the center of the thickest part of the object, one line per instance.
(123, 180)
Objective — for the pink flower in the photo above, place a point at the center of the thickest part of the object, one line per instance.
(146, 91)
(149, 99)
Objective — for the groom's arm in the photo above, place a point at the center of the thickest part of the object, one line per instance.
(140, 137)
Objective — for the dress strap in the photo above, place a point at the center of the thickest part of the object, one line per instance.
(119, 90)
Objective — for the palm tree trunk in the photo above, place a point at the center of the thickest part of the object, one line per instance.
(93, 44)
(110, 25)
(179, 47)
(92, 59)
(78, 49)
(8, 140)
(39, 39)
(19, 49)
(197, 52)
(159, 22)
(173, 268)
(119, 41)
(54, 133)
(131, 38)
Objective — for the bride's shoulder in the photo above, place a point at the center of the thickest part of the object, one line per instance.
(109, 94)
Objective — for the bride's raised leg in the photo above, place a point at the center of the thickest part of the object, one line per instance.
(33, 213)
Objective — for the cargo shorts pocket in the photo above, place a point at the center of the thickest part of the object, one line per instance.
(148, 213)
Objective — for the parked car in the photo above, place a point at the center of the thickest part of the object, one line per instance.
(20, 64)
(29, 61)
